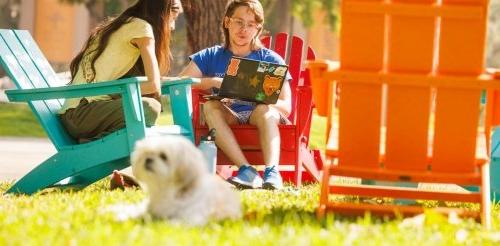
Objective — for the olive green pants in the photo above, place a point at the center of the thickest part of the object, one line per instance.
(90, 121)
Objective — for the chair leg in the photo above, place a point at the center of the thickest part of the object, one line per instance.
(307, 160)
(95, 173)
(298, 172)
(69, 163)
(325, 189)
(42, 176)
(485, 197)
(495, 179)
(318, 159)
(495, 167)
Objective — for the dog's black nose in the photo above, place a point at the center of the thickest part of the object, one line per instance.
(148, 164)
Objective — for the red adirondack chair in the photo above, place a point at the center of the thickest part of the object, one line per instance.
(297, 162)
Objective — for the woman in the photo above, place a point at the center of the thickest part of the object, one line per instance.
(136, 43)
(242, 25)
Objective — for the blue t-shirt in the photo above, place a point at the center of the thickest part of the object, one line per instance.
(213, 62)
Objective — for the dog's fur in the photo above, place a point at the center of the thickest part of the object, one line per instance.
(178, 183)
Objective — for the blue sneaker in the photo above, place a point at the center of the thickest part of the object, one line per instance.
(247, 178)
(272, 179)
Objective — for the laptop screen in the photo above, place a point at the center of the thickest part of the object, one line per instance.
(252, 80)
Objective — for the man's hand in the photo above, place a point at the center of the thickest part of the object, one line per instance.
(214, 82)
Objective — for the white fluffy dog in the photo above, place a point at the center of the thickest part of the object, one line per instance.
(174, 174)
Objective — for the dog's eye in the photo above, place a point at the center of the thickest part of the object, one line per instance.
(163, 156)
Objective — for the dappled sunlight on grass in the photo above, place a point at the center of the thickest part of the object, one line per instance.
(271, 217)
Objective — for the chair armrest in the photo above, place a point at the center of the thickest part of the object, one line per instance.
(495, 144)
(495, 72)
(197, 96)
(320, 82)
(303, 111)
(179, 90)
(72, 91)
(168, 82)
(322, 64)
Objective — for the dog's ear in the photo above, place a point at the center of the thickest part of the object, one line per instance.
(138, 149)
(190, 168)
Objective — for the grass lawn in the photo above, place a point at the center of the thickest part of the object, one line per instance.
(17, 120)
(55, 217)
(271, 218)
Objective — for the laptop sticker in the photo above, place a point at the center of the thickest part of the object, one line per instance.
(260, 96)
(233, 67)
(280, 71)
(254, 81)
(271, 84)
(262, 67)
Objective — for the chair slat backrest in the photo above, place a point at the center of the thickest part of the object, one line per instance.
(37, 67)
(410, 49)
(266, 41)
(461, 53)
(38, 59)
(405, 42)
(281, 44)
(360, 104)
(493, 108)
(26, 75)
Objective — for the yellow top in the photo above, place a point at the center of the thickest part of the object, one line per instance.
(116, 60)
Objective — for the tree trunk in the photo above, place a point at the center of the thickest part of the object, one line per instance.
(96, 12)
(9, 13)
(203, 20)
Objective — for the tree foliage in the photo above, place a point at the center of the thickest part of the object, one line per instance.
(203, 17)
(302, 9)
(100, 9)
(305, 9)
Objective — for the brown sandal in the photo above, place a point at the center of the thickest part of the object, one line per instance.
(121, 181)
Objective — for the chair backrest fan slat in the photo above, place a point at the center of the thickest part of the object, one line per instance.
(26, 75)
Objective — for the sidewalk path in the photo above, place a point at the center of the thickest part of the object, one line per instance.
(19, 155)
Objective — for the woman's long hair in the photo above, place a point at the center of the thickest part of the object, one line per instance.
(256, 7)
(155, 12)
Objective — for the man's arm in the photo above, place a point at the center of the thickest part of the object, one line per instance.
(284, 103)
(192, 70)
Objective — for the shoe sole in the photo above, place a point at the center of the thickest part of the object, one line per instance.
(269, 186)
(241, 186)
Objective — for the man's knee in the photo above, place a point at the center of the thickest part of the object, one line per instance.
(265, 114)
(152, 110)
(209, 107)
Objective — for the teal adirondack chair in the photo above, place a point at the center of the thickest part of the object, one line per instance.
(78, 165)
(495, 166)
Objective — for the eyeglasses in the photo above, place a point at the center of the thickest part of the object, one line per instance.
(241, 24)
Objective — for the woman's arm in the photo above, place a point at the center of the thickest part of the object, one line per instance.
(284, 103)
(148, 55)
(192, 70)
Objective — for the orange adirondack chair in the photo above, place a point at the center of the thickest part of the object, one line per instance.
(410, 79)
(297, 161)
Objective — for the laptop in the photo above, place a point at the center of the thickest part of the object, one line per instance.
(252, 81)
